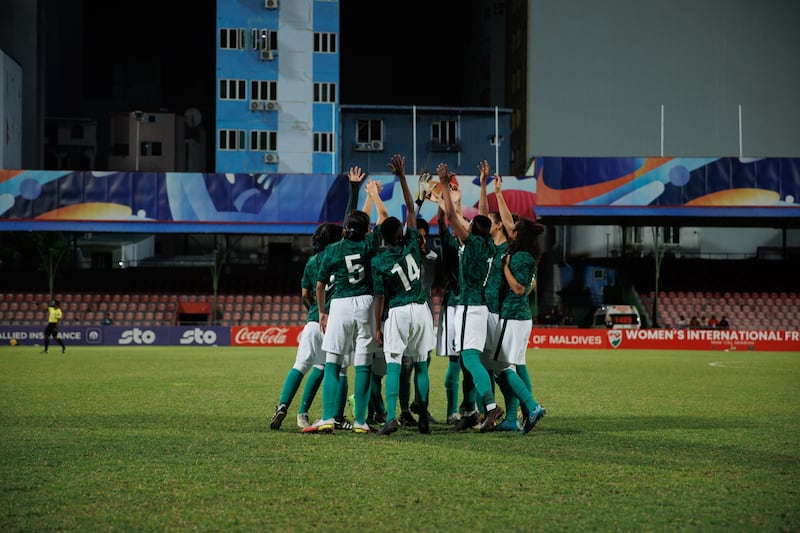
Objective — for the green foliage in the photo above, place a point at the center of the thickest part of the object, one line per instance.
(51, 248)
(146, 438)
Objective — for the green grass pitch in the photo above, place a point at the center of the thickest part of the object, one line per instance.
(176, 438)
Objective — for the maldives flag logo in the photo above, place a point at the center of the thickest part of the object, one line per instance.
(615, 338)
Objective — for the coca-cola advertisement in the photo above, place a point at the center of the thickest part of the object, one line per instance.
(265, 335)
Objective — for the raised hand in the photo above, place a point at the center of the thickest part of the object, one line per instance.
(398, 165)
(498, 183)
(455, 194)
(356, 174)
(444, 173)
(485, 171)
(374, 187)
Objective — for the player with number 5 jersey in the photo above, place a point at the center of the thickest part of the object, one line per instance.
(349, 326)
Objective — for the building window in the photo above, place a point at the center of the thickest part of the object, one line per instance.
(672, 235)
(324, 142)
(635, 234)
(325, 92)
(231, 39)
(264, 90)
(232, 90)
(232, 140)
(153, 148)
(444, 132)
(263, 39)
(325, 42)
(263, 140)
(368, 130)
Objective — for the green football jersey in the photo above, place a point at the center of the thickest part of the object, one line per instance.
(514, 307)
(397, 274)
(476, 256)
(449, 264)
(495, 279)
(309, 281)
(349, 262)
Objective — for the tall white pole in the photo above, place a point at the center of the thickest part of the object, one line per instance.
(741, 149)
(414, 137)
(662, 130)
(333, 128)
(496, 140)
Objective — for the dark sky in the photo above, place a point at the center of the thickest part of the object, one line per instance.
(403, 52)
(391, 52)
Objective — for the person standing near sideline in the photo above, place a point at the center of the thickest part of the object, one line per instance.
(54, 315)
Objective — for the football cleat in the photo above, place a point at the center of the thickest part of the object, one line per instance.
(277, 418)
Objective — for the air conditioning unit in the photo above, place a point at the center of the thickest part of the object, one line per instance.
(256, 105)
(372, 146)
(270, 158)
(271, 105)
(267, 55)
(271, 4)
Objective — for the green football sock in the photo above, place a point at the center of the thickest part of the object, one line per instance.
(375, 397)
(362, 387)
(290, 386)
(341, 393)
(480, 377)
(313, 381)
(392, 389)
(423, 384)
(405, 383)
(452, 379)
(516, 386)
(330, 391)
(522, 372)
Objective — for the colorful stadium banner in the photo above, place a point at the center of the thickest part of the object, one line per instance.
(122, 335)
(685, 186)
(171, 202)
(265, 335)
(666, 339)
(287, 336)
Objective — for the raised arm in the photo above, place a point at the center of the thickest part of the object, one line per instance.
(505, 213)
(483, 200)
(398, 167)
(457, 223)
(356, 178)
(374, 195)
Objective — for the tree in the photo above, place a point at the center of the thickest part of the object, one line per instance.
(658, 254)
(222, 250)
(51, 248)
